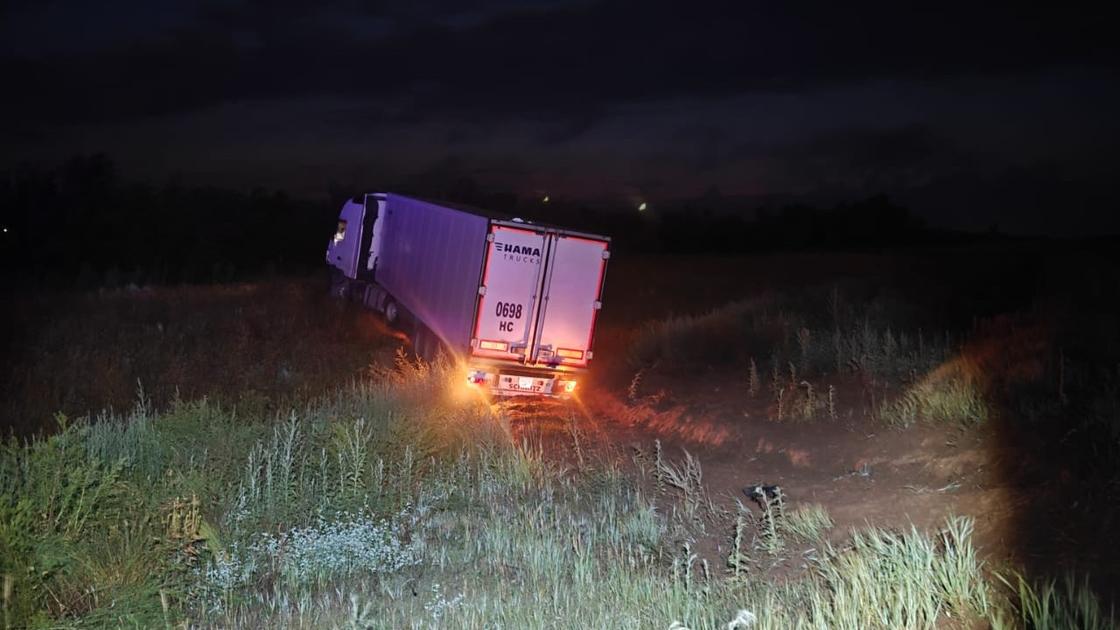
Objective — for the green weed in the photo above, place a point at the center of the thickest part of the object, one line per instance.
(1054, 605)
(807, 522)
(951, 398)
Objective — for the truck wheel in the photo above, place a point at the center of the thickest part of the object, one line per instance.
(392, 313)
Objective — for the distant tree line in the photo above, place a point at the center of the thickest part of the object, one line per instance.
(698, 227)
(871, 223)
(693, 228)
(81, 224)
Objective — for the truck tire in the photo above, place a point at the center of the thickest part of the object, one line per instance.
(392, 312)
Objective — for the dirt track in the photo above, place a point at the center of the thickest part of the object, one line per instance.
(861, 472)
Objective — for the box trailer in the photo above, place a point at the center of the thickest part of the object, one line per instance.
(513, 301)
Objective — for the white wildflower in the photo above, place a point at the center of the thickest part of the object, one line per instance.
(745, 619)
(439, 605)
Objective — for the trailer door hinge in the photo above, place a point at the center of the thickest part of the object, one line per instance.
(606, 254)
(482, 290)
(596, 305)
(490, 237)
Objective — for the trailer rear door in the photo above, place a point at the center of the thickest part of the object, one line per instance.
(572, 290)
(511, 284)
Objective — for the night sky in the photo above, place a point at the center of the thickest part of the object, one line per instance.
(972, 114)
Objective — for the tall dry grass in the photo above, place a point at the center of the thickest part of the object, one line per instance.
(809, 341)
(397, 503)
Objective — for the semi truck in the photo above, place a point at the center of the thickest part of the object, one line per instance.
(513, 302)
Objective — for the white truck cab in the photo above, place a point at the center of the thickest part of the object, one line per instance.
(354, 247)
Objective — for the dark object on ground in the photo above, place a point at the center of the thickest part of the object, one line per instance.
(761, 494)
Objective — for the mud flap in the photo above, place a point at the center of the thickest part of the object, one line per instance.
(425, 345)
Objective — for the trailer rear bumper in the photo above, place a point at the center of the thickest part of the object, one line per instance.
(499, 380)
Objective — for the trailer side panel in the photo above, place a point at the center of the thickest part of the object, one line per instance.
(431, 264)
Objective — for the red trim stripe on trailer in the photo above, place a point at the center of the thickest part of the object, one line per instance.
(514, 229)
(603, 242)
(598, 296)
(481, 297)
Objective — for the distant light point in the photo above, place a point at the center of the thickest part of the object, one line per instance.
(642, 207)
(545, 200)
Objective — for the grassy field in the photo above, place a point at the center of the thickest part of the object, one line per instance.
(278, 467)
(397, 505)
(255, 347)
(793, 356)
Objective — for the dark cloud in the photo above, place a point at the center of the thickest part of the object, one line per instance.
(822, 100)
(544, 60)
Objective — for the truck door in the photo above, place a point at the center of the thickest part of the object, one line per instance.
(572, 289)
(510, 292)
(373, 224)
(342, 251)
